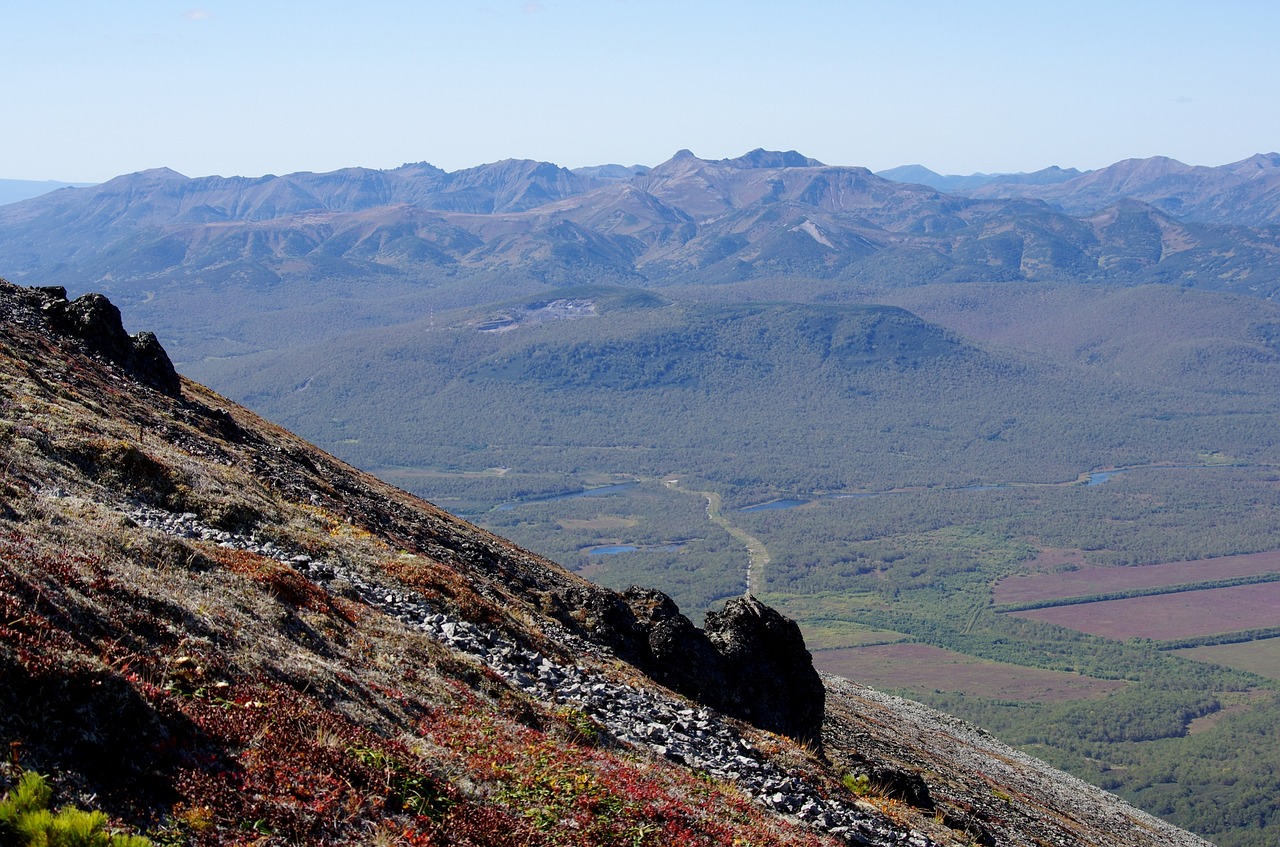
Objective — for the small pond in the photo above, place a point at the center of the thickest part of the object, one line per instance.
(602, 491)
(614, 549)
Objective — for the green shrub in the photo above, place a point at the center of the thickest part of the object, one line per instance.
(859, 784)
(25, 821)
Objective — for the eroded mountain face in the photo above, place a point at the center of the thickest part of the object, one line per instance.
(218, 634)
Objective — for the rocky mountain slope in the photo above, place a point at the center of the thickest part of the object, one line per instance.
(219, 634)
(688, 219)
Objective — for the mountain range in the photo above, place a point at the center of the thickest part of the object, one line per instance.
(687, 219)
(512, 340)
(1244, 193)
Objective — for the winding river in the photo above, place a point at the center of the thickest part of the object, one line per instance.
(758, 554)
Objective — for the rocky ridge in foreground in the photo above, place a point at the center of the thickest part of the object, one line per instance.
(218, 634)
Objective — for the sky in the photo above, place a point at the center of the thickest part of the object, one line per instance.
(90, 89)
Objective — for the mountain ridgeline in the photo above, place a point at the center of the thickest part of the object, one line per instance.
(1244, 193)
(685, 219)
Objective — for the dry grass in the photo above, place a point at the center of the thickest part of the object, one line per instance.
(1087, 581)
(1171, 616)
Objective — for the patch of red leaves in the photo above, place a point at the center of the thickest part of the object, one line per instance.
(211, 757)
(282, 581)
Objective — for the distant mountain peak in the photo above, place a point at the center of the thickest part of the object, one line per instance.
(162, 173)
(1258, 161)
(418, 169)
(612, 172)
(962, 183)
(1148, 163)
(910, 173)
(684, 161)
(761, 158)
(154, 175)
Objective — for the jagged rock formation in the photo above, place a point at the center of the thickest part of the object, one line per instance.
(95, 321)
(209, 628)
(777, 687)
(749, 662)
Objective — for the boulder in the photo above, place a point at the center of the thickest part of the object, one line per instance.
(750, 662)
(775, 684)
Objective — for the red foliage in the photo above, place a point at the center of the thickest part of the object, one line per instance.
(281, 580)
(440, 582)
(254, 760)
(37, 606)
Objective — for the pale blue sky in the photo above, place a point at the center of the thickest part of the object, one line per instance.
(94, 88)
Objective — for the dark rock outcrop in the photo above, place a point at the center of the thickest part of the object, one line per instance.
(750, 661)
(775, 684)
(679, 655)
(901, 785)
(95, 321)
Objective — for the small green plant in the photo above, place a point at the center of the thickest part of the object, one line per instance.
(25, 820)
(859, 784)
(412, 791)
(580, 725)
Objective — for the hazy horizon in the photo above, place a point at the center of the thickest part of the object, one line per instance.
(9, 185)
(228, 87)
